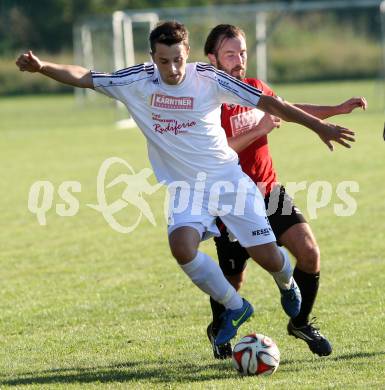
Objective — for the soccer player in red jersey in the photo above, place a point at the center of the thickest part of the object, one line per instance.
(247, 130)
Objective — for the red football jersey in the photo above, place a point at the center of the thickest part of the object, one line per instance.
(255, 160)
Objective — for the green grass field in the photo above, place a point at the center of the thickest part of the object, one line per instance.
(85, 306)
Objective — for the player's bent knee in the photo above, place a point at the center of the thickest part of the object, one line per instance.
(310, 259)
(183, 250)
(183, 254)
(184, 244)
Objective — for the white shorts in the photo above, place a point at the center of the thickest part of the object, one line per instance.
(241, 209)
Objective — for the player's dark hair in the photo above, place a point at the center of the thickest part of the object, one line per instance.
(218, 34)
(168, 33)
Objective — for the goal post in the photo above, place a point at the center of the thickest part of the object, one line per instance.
(123, 36)
(117, 49)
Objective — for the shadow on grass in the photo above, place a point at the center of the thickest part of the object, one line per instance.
(155, 372)
(342, 357)
(357, 355)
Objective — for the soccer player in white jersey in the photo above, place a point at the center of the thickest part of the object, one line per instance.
(177, 106)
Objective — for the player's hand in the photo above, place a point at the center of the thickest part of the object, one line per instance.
(29, 62)
(329, 132)
(266, 125)
(351, 104)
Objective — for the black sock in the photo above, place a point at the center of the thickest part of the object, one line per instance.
(217, 309)
(308, 285)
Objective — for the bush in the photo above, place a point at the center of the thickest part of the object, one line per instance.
(319, 47)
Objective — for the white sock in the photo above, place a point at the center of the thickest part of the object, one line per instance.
(284, 277)
(206, 274)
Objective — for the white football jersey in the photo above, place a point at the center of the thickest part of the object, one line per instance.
(181, 122)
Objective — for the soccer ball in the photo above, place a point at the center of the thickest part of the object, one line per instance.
(256, 354)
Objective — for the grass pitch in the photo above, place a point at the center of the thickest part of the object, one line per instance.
(85, 306)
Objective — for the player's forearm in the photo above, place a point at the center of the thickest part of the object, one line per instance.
(321, 112)
(288, 112)
(242, 141)
(74, 75)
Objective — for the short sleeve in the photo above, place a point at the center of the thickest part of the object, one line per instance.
(107, 84)
(266, 89)
(230, 90)
(120, 84)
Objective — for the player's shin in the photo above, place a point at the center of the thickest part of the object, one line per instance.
(284, 277)
(207, 276)
(290, 294)
(217, 310)
(308, 285)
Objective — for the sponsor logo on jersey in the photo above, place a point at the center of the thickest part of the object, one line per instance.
(166, 125)
(245, 121)
(171, 102)
(261, 232)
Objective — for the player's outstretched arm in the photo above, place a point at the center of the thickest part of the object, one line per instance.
(265, 126)
(324, 112)
(326, 131)
(74, 75)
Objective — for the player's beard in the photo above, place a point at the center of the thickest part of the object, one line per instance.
(238, 72)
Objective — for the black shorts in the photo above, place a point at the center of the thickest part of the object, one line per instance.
(282, 214)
